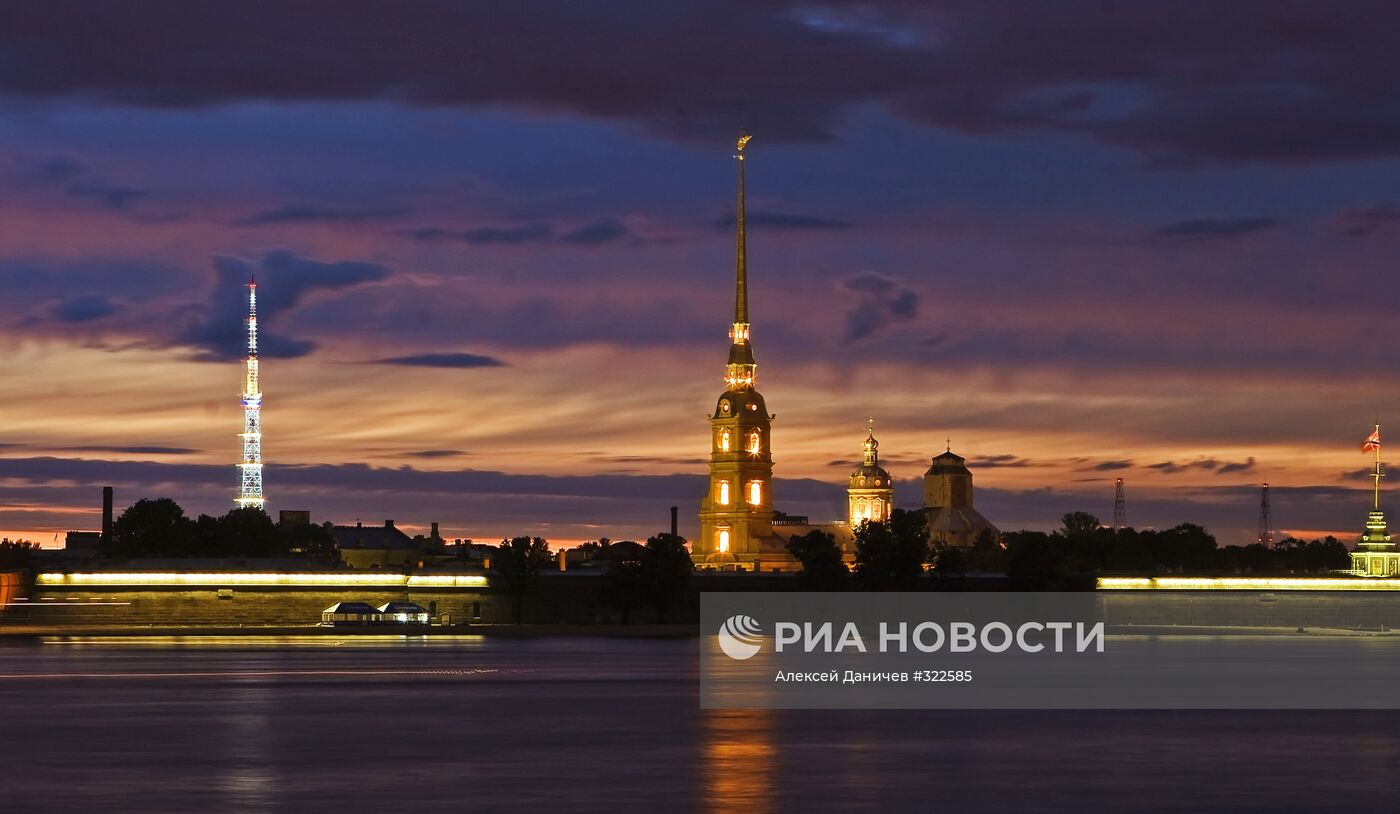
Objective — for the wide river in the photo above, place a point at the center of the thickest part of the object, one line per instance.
(474, 724)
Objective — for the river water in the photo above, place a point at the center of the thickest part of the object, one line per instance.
(590, 724)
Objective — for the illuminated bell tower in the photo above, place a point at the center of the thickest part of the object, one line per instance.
(736, 514)
(250, 488)
(870, 494)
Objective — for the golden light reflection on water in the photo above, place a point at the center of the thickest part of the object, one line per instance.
(737, 759)
(271, 642)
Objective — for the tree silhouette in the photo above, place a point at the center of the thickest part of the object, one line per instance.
(159, 528)
(624, 582)
(890, 556)
(243, 532)
(1079, 523)
(820, 556)
(948, 560)
(16, 554)
(515, 567)
(987, 554)
(1035, 561)
(151, 528)
(666, 569)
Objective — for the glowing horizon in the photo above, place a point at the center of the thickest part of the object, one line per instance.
(495, 301)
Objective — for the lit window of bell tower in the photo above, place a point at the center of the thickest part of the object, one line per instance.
(736, 516)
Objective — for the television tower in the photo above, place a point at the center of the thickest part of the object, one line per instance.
(1266, 518)
(1120, 512)
(250, 487)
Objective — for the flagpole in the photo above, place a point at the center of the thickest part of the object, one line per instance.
(1376, 502)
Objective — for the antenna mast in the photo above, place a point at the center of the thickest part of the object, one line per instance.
(250, 487)
(1120, 513)
(1266, 519)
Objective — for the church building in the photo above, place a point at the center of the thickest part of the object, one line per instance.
(870, 493)
(739, 528)
(952, 520)
(736, 515)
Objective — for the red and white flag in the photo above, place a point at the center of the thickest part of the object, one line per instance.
(1373, 441)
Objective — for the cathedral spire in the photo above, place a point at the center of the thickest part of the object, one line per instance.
(736, 514)
(739, 373)
(741, 283)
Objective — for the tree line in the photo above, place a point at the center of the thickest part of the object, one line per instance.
(159, 527)
(16, 554)
(891, 556)
(654, 575)
(897, 554)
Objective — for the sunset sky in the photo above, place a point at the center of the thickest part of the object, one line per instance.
(494, 251)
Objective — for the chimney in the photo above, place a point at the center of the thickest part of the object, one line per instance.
(388, 524)
(106, 514)
(674, 527)
(435, 536)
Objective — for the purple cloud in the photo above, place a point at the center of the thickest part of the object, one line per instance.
(447, 360)
(879, 302)
(84, 308)
(320, 214)
(1190, 81)
(218, 330)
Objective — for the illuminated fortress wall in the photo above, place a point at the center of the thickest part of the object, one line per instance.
(11, 585)
(232, 600)
(1370, 610)
(228, 603)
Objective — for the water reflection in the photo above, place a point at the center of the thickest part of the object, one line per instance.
(247, 779)
(366, 641)
(611, 725)
(737, 759)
